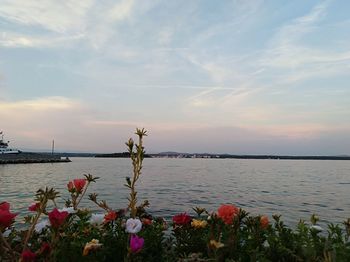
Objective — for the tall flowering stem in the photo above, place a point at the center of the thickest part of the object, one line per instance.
(78, 188)
(137, 153)
(89, 178)
(42, 197)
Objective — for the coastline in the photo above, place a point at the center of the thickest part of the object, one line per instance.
(31, 158)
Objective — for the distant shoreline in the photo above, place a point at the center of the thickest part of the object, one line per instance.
(276, 157)
(220, 156)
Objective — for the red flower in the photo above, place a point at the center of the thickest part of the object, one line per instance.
(111, 216)
(146, 221)
(264, 222)
(34, 207)
(6, 217)
(5, 206)
(77, 184)
(57, 218)
(28, 256)
(45, 248)
(181, 219)
(227, 213)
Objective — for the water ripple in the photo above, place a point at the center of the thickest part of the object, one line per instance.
(295, 189)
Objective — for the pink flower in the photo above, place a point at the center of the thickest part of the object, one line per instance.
(182, 219)
(57, 218)
(70, 186)
(6, 217)
(34, 207)
(136, 243)
(227, 213)
(28, 256)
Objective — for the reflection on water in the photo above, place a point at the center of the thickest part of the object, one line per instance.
(293, 188)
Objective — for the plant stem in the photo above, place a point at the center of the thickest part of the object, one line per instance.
(2, 239)
(30, 231)
(137, 166)
(82, 195)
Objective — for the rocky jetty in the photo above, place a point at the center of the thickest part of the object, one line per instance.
(27, 158)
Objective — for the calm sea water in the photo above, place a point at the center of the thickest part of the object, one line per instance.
(295, 189)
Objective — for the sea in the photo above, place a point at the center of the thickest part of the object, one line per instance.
(295, 189)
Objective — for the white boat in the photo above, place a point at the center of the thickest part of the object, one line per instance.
(4, 146)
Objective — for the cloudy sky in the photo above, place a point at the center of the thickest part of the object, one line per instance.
(244, 77)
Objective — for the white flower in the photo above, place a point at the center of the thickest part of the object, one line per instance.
(266, 244)
(70, 210)
(41, 225)
(6, 233)
(318, 228)
(96, 219)
(133, 225)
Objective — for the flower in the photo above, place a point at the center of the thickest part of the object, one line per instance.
(6, 233)
(196, 223)
(6, 217)
(146, 221)
(41, 225)
(317, 228)
(92, 245)
(70, 186)
(136, 243)
(181, 219)
(70, 210)
(264, 222)
(5, 206)
(133, 225)
(77, 185)
(314, 219)
(34, 207)
(110, 216)
(57, 218)
(215, 244)
(227, 213)
(96, 219)
(28, 256)
(45, 248)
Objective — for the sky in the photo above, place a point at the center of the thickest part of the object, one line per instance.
(239, 77)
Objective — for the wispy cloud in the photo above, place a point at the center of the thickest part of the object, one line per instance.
(81, 71)
(120, 11)
(29, 41)
(40, 104)
(57, 16)
(287, 50)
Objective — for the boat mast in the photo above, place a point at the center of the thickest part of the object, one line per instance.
(53, 147)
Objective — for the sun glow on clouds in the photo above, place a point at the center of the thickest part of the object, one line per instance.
(40, 104)
(211, 73)
(32, 122)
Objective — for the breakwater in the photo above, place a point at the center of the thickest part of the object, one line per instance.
(27, 158)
